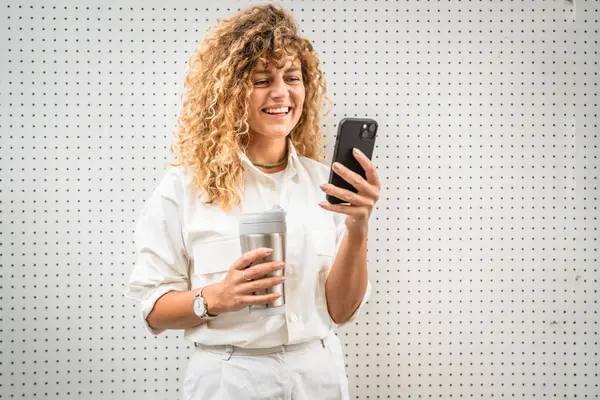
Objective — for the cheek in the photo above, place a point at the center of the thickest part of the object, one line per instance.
(255, 100)
(253, 108)
(299, 99)
(254, 120)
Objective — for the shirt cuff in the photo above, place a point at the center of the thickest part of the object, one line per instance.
(148, 300)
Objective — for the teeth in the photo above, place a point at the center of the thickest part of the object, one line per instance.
(277, 110)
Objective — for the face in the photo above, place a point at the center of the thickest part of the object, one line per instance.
(276, 100)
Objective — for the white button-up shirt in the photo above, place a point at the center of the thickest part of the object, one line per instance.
(182, 244)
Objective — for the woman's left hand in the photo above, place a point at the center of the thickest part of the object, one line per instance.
(360, 205)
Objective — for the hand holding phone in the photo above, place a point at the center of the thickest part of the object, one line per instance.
(352, 133)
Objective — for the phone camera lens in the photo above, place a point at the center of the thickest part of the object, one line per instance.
(372, 128)
(366, 135)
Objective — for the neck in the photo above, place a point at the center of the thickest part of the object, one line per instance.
(268, 151)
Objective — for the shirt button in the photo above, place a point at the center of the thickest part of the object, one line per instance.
(294, 318)
(289, 270)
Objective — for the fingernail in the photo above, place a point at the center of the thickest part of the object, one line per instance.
(323, 186)
(283, 278)
(268, 251)
(280, 264)
(323, 204)
(357, 151)
(336, 165)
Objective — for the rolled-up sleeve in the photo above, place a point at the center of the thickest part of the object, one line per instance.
(162, 263)
(340, 231)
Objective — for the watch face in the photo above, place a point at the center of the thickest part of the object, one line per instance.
(199, 307)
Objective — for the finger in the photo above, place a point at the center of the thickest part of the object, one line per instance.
(259, 270)
(251, 256)
(347, 195)
(355, 180)
(347, 209)
(369, 167)
(261, 284)
(259, 299)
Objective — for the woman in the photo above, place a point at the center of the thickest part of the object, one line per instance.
(249, 140)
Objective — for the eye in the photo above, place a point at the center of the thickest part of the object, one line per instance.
(261, 82)
(293, 78)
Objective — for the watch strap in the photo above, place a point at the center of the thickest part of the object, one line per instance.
(206, 315)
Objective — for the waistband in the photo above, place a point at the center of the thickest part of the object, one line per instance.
(227, 351)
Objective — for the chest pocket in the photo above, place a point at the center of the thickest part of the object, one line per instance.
(324, 247)
(212, 259)
(323, 242)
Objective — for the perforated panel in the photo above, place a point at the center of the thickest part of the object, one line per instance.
(483, 250)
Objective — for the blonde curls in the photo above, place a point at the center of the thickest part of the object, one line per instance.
(212, 125)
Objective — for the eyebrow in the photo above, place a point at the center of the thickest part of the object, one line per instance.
(264, 71)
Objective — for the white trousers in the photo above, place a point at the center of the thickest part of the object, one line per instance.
(311, 371)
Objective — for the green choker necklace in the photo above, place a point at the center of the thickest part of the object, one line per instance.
(273, 165)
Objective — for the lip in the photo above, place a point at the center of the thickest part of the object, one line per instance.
(277, 106)
(277, 117)
(280, 106)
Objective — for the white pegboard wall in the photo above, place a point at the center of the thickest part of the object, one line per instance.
(483, 250)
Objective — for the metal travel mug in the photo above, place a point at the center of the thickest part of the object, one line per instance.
(266, 229)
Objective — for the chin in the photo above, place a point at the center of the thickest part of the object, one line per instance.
(279, 132)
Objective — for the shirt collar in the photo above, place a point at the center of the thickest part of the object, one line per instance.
(293, 161)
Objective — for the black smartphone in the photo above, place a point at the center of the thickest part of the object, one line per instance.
(352, 132)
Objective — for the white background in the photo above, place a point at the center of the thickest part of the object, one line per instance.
(483, 250)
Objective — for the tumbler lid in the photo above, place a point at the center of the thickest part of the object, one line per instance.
(270, 221)
(276, 214)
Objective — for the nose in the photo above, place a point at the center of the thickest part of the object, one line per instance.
(279, 88)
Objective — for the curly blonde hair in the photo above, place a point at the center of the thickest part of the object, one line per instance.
(212, 125)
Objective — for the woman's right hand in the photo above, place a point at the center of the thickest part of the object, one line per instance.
(235, 291)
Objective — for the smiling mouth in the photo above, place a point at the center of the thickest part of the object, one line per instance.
(277, 111)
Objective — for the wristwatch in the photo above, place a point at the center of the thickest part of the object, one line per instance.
(201, 306)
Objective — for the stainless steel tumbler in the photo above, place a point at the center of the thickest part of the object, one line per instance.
(266, 229)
